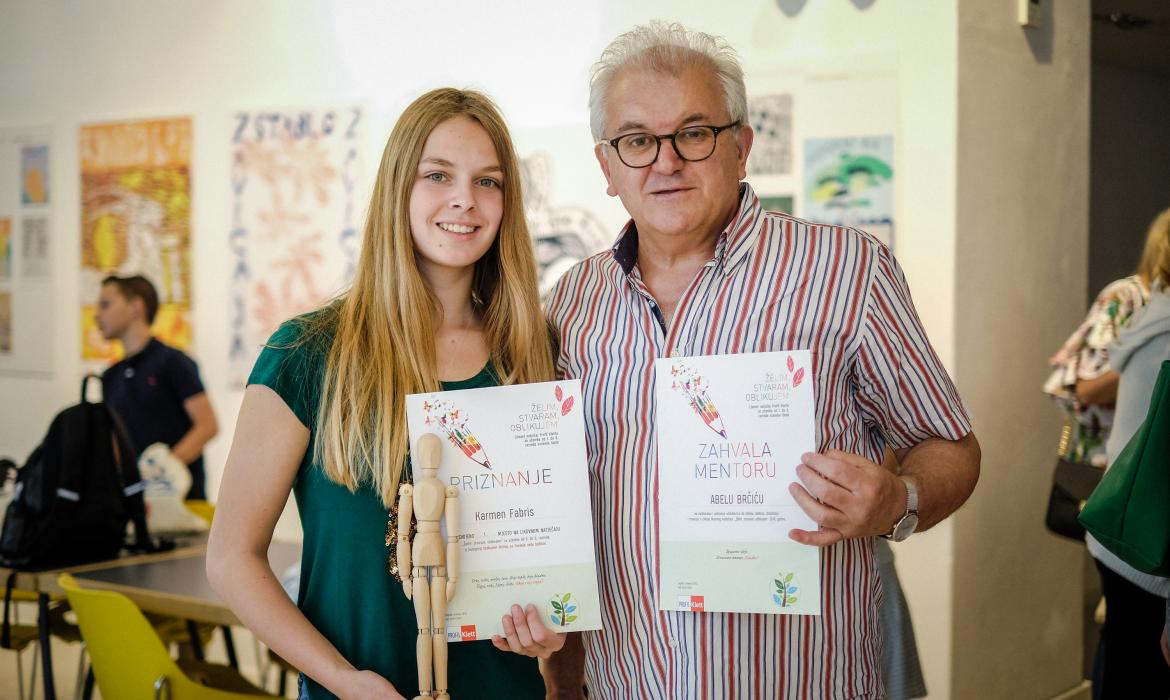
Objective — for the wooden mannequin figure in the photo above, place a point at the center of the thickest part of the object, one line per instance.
(431, 583)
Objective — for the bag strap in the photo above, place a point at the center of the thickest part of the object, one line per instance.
(85, 385)
(73, 460)
(131, 493)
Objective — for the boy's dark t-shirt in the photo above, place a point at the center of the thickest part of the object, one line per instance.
(147, 391)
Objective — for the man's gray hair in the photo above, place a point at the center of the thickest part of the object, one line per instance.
(666, 47)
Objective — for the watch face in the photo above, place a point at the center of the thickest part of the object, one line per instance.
(905, 527)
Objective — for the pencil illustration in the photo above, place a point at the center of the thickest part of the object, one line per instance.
(693, 387)
(453, 423)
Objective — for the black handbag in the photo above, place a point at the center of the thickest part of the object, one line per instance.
(1072, 484)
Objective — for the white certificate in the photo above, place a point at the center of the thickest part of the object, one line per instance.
(517, 456)
(731, 430)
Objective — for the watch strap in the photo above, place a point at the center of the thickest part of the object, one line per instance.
(911, 495)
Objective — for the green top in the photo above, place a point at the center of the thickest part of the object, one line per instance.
(346, 590)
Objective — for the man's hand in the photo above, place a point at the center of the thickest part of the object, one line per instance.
(564, 673)
(525, 634)
(847, 495)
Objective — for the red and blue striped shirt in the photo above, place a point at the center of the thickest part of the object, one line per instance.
(774, 283)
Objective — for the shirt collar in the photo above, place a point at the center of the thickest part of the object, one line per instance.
(734, 242)
(150, 347)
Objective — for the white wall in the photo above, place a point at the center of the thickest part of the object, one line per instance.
(66, 63)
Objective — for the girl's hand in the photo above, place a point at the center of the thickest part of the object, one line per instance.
(360, 685)
(525, 634)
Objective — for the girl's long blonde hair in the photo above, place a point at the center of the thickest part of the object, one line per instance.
(384, 326)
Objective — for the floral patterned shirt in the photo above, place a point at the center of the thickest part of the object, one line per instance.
(1085, 356)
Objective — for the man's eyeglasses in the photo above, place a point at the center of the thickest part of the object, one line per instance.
(692, 143)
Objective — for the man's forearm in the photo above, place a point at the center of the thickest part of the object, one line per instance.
(190, 446)
(204, 426)
(944, 472)
(564, 671)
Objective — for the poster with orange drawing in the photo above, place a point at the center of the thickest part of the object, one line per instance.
(136, 220)
(5, 248)
(5, 322)
(296, 209)
(34, 174)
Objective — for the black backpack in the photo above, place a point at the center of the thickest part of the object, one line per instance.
(76, 493)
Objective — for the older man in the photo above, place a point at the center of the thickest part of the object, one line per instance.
(702, 269)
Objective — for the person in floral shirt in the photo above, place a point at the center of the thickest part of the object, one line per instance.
(1082, 380)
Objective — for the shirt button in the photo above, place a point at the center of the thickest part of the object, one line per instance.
(129, 373)
(673, 643)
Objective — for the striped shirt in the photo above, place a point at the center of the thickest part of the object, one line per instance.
(774, 283)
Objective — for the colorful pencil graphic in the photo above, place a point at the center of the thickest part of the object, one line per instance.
(447, 418)
(694, 387)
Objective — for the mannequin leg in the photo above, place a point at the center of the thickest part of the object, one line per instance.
(421, 596)
(439, 630)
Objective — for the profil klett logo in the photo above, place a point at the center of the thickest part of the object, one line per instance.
(693, 603)
(465, 633)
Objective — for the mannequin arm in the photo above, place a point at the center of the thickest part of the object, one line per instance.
(451, 512)
(405, 510)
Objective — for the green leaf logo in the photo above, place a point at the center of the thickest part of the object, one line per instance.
(562, 609)
(786, 589)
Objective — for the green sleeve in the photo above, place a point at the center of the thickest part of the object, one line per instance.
(294, 368)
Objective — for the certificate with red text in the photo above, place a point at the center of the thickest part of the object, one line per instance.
(516, 457)
(731, 430)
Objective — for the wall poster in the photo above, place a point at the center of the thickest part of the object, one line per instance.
(34, 174)
(5, 249)
(570, 216)
(26, 290)
(295, 233)
(136, 220)
(850, 181)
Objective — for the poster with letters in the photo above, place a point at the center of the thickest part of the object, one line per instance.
(296, 210)
(731, 430)
(516, 455)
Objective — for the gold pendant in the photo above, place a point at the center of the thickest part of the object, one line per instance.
(392, 539)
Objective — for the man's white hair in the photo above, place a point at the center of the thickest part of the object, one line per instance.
(666, 47)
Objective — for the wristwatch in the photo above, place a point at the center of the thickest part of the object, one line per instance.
(909, 520)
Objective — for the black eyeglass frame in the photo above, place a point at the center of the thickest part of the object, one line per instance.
(658, 139)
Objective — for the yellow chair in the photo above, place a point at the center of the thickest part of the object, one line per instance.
(204, 509)
(129, 660)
